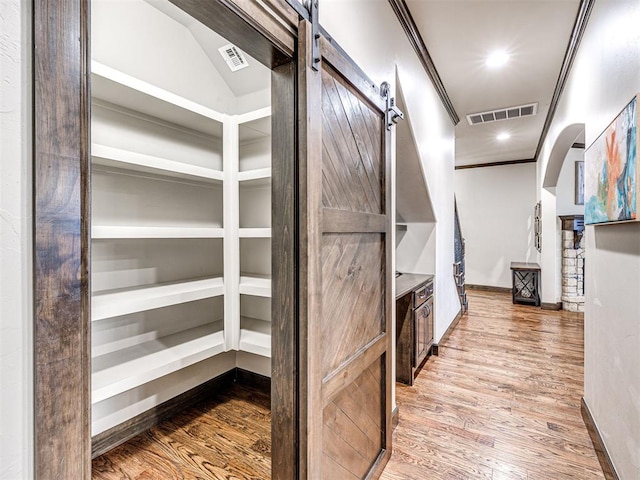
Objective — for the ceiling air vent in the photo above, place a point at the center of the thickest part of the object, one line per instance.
(503, 114)
(234, 57)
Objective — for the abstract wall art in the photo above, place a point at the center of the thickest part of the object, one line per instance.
(611, 171)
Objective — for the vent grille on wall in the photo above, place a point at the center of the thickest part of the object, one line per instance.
(503, 114)
(234, 57)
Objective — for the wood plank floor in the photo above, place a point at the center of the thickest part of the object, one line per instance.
(227, 437)
(502, 401)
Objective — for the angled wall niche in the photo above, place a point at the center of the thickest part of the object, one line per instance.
(415, 217)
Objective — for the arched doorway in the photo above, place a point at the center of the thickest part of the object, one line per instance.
(563, 246)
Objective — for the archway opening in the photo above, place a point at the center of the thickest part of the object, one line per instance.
(564, 182)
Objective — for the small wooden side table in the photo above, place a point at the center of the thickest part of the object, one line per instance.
(525, 279)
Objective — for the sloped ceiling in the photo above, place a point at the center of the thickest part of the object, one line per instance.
(242, 82)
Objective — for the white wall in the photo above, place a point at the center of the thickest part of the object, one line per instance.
(604, 78)
(369, 32)
(16, 391)
(416, 248)
(565, 190)
(496, 208)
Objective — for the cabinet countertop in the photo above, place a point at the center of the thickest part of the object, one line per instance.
(408, 282)
(524, 266)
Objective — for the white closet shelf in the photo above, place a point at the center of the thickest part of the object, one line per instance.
(121, 302)
(132, 93)
(257, 174)
(255, 233)
(125, 231)
(255, 336)
(261, 183)
(254, 125)
(253, 115)
(255, 284)
(139, 162)
(120, 371)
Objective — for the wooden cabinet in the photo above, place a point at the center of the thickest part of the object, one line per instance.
(525, 279)
(414, 327)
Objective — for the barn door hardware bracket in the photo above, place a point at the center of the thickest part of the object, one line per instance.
(312, 6)
(393, 114)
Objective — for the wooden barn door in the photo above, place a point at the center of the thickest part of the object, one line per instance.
(345, 295)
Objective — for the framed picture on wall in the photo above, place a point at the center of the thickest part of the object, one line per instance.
(611, 171)
(579, 183)
(537, 226)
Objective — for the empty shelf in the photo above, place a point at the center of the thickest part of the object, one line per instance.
(254, 125)
(257, 174)
(139, 162)
(123, 370)
(252, 116)
(257, 285)
(255, 336)
(121, 302)
(122, 89)
(120, 231)
(255, 233)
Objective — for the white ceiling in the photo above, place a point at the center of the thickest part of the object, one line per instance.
(459, 35)
(254, 78)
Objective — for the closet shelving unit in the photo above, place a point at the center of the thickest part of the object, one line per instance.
(181, 200)
(254, 232)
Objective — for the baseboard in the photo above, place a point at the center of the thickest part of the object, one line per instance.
(488, 288)
(551, 306)
(601, 450)
(105, 441)
(436, 346)
(395, 418)
(255, 380)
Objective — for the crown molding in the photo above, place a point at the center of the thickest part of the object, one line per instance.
(409, 26)
(580, 25)
(496, 164)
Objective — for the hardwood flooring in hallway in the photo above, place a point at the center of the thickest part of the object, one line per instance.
(501, 401)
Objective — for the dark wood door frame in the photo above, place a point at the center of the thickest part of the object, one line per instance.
(267, 29)
(62, 373)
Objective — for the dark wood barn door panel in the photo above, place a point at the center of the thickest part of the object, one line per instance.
(345, 283)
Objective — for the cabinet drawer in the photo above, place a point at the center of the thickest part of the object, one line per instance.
(422, 294)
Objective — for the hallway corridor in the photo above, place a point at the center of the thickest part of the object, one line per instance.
(501, 401)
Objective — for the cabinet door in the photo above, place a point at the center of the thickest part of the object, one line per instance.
(422, 333)
(429, 328)
(345, 274)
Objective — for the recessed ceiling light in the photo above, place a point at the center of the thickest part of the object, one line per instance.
(497, 59)
(503, 136)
